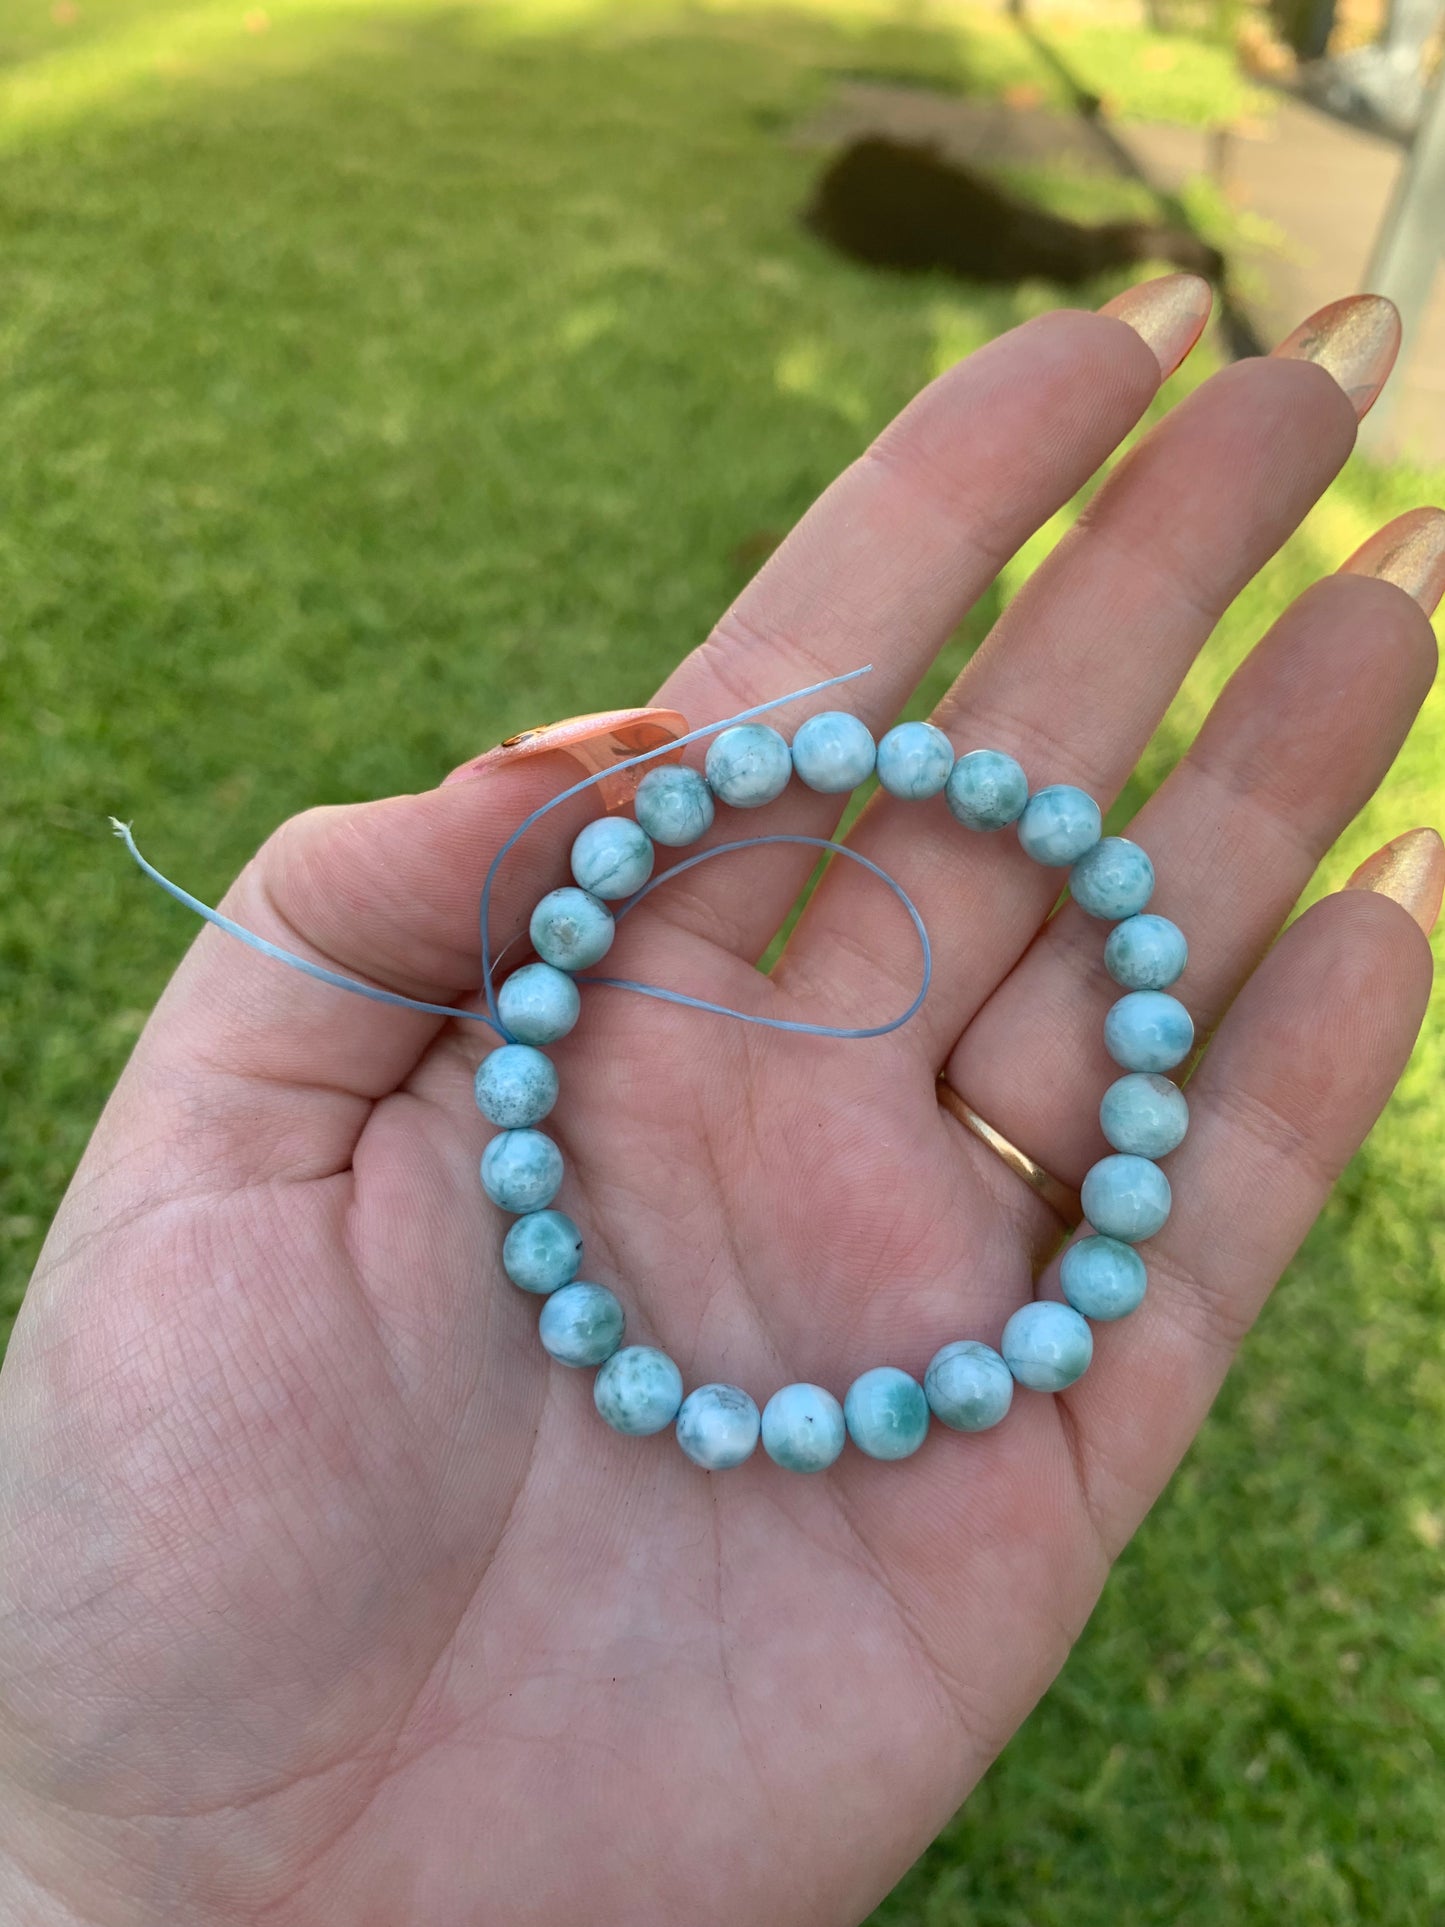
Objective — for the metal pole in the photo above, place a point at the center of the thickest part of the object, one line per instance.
(1408, 247)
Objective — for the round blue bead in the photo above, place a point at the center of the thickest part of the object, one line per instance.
(521, 1170)
(542, 1251)
(1059, 824)
(718, 1427)
(1145, 1114)
(1126, 1197)
(886, 1413)
(571, 929)
(748, 765)
(638, 1390)
(915, 760)
(1047, 1345)
(581, 1324)
(674, 805)
(968, 1386)
(1145, 953)
(833, 752)
(612, 857)
(1148, 1030)
(515, 1086)
(1113, 879)
(1102, 1278)
(803, 1428)
(538, 1004)
(986, 790)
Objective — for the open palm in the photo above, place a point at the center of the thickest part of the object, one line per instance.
(326, 1598)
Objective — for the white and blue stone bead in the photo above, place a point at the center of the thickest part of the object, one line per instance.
(969, 1386)
(718, 1426)
(1126, 1197)
(1145, 953)
(886, 1413)
(571, 929)
(748, 765)
(915, 760)
(1148, 1030)
(1102, 1278)
(1144, 1113)
(515, 1086)
(1047, 1346)
(580, 1324)
(538, 1004)
(542, 1251)
(611, 858)
(834, 753)
(1059, 824)
(803, 1428)
(1113, 879)
(638, 1391)
(521, 1170)
(986, 790)
(674, 805)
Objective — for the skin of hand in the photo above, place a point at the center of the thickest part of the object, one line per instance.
(325, 1598)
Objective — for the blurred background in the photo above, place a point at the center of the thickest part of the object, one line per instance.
(379, 377)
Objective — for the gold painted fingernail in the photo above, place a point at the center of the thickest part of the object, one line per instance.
(1356, 340)
(1411, 870)
(1410, 552)
(595, 742)
(1169, 314)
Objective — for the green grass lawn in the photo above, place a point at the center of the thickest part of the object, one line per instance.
(378, 379)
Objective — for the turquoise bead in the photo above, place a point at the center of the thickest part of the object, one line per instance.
(986, 790)
(1126, 1197)
(542, 1251)
(638, 1390)
(1103, 1278)
(1148, 1030)
(1059, 824)
(571, 929)
(1145, 1114)
(1047, 1346)
(748, 765)
(612, 857)
(833, 753)
(803, 1428)
(968, 1386)
(1145, 953)
(538, 1004)
(521, 1170)
(1114, 879)
(717, 1427)
(915, 760)
(515, 1086)
(674, 805)
(581, 1324)
(886, 1413)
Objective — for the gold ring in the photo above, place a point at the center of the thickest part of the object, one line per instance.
(1059, 1197)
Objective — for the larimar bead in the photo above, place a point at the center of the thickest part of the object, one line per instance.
(612, 857)
(717, 1427)
(986, 790)
(1046, 1345)
(1103, 1278)
(968, 1386)
(521, 1170)
(915, 760)
(1145, 953)
(638, 1390)
(581, 1324)
(1113, 879)
(886, 1413)
(1126, 1197)
(1144, 1114)
(748, 765)
(571, 929)
(1148, 1030)
(1059, 824)
(538, 1004)
(674, 805)
(833, 752)
(803, 1428)
(515, 1086)
(542, 1251)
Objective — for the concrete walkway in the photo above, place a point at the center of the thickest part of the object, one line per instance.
(1323, 185)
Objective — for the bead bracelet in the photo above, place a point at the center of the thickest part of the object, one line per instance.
(968, 1385)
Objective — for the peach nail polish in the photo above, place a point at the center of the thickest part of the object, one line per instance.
(1355, 339)
(1411, 870)
(1168, 313)
(595, 742)
(1410, 552)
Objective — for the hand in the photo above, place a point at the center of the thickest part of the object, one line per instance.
(326, 1598)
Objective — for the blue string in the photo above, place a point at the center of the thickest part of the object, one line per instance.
(492, 1016)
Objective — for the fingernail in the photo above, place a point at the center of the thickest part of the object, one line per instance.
(594, 742)
(1169, 314)
(1410, 552)
(1411, 870)
(1356, 340)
